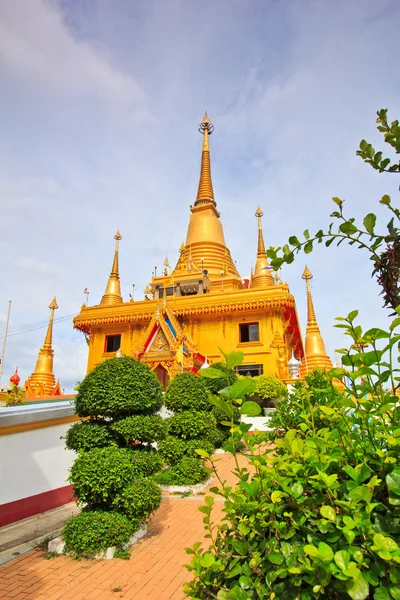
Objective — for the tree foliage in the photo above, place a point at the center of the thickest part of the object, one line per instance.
(187, 391)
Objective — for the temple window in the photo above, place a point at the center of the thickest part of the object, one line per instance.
(250, 370)
(248, 332)
(113, 343)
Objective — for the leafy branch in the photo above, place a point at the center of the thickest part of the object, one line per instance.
(384, 248)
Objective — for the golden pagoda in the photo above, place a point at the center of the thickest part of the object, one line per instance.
(42, 381)
(200, 305)
(315, 354)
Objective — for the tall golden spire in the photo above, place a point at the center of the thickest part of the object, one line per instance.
(205, 246)
(315, 353)
(262, 276)
(112, 295)
(42, 381)
(205, 192)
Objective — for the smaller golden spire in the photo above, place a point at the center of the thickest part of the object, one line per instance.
(205, 192)
(166, 263)
(112, 295)
(42, 380)
(315, 353)
(262, 276)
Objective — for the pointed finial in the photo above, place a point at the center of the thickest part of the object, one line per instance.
(206, 125)
(118, 236)
(259, 213)
(182, 248)
(307, 274)
(166, 263)
(53, 305)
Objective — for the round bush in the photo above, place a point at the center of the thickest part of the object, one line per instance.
(90, 532)
(118, 387)
(172, 449)
(143, 428)
(99, 474)
(190, 424)
(87, 435)
(190, 470)
(267, 388)
(187, 391)
(139, 500)
(145, 462)
(215, 385)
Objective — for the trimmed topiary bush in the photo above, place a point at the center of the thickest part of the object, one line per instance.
(172, 449)
(218, 384)
(99, 474)
(145, 462)
(121, 395)
(268, 390)
(139, 500)
(190, 424)
(188, 471)
(119, 387)
(187, 391)
(140, 428)
(87, 435)
(90, 532)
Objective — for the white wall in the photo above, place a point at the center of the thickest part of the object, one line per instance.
(32, 462)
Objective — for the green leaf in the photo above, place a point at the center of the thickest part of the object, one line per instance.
(251, 409)
(348, 228)
(385, 543)
(241, 547)
(207, 560)
(338, 201)
(296, 490)
(352, 315)
(234, 359)
(212, 373)
(369, 222)
(385, 200)
(306, 234)
(308, 247)
(328, 512)
(325, 552)
(245, 582)
(276, 497)
(393, 481)
(217, 401)
(342, 559)
(327, 410)
(358, 589)
(240, 388)
(311, 550)
(293, 241)
(381, 594)
(395, 591)
(243, 529)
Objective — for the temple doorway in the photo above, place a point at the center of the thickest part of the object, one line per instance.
(162, 375)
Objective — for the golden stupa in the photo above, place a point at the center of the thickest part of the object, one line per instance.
(42, 381)
(201, 305)
(315, 356)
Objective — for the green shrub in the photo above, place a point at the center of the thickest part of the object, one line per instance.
(187, 391)
(143, 428)
(268, 389)
(99, 474)
(172, 449)
(145, 462)
(90, 532)
(118, 387)
(87, 435)
(188, 471)
(139, 500)
(191, 424)
(215, 385)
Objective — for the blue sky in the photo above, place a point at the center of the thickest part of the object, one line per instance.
(99, 106)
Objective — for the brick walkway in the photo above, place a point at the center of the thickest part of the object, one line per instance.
(154, 570)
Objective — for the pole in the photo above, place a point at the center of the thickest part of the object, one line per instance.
(5, 339)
